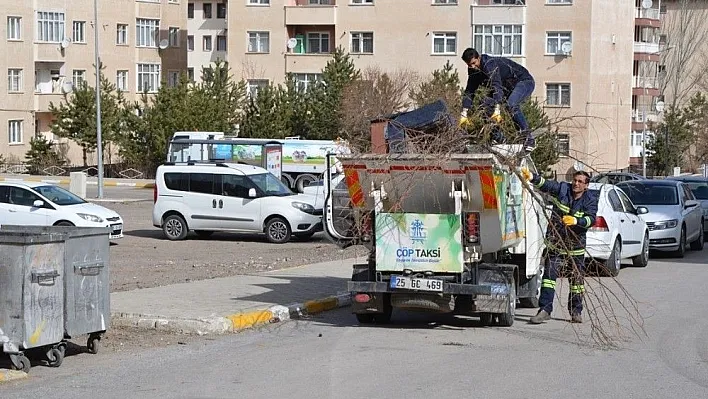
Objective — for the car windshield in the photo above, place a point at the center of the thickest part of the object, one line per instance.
(642, 194)
(699, 189)
(271, 185)
(58, 195)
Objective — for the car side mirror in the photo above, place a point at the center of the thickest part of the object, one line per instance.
(642, 210)
(690, 204)
(251, 193)
(38, 204)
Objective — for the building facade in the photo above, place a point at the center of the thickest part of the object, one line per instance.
(49, 49)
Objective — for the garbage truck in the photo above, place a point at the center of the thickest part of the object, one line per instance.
(445, 232)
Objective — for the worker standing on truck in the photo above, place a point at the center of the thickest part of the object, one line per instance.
(507, 79)
(574, 212)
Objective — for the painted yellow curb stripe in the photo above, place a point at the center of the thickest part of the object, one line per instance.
(320, 305)
(242, 321)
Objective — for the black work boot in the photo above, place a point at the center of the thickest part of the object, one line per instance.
(576, 318)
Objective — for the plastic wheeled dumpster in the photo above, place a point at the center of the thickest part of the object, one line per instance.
(85, 277)
(32, 295)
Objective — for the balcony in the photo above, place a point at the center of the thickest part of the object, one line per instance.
(311, 15)
(47, 52)
(645, 47)
(646, 13)
(306, 62)
(42, 100)
(649, 82)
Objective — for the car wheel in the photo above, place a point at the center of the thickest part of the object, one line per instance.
(278, 231)
(642, 260)
(614, 262)
(64, 223)
(698, 244)
(175, 228)
(681, 251)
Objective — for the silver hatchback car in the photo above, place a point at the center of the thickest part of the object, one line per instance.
(675, 217)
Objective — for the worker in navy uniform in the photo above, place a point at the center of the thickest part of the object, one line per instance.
(574, 212)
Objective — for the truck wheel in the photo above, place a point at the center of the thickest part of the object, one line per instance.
(365, 318)
(506, 319)
(486, 319)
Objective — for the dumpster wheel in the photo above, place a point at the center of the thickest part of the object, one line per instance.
(93, 343)
(55, 356)
(20, 362)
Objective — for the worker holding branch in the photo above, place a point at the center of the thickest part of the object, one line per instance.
(574, 212)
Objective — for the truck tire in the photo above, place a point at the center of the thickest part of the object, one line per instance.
(506, 319)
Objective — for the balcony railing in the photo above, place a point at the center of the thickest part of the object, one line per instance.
(649, 13)
(641, 116)
(644, 47)
(649, 82)
(311, 15)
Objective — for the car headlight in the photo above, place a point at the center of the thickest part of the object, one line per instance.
(665, 224)
(307, 208)
(90, 218)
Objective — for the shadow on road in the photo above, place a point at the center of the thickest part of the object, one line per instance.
(38, 356)
(217, 237)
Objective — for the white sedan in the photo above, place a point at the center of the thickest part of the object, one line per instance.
(42, 204)
(619, 231)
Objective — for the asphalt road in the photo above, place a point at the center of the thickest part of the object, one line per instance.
(420, 356)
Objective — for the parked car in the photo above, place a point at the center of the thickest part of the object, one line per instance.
(699, 188)
(674, 217)
(42, 204)
(619, 232)
(210, 197)
(615, 177)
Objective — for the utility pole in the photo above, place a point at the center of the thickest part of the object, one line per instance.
(99, 145)
(644, 129)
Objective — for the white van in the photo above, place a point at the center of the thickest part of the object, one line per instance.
(209, 197)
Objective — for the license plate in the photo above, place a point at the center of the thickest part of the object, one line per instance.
(411, 283)
(117, 227)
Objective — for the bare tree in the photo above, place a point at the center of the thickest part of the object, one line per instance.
(684, 54)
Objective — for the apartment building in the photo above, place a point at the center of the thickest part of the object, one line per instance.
(207, 38)
(49, 48)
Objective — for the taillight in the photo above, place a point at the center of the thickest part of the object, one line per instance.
(600, 224)
(154, 193)
(472, 227)
(367, 226)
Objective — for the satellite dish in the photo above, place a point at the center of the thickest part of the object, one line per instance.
(164, 43)
(647, 4)
(67, 87)
(567, 47)
(659, 106)
(579, 166)
(292, 42)
(64, 43)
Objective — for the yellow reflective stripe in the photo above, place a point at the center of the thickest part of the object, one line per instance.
(560, 205)
(577, 289)
(579, 214)
(541, 180)
(573, 252)
(546, 283)
(588, 221)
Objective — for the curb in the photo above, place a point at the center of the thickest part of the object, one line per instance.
(90, 182)
(235, 322)
(11, 375)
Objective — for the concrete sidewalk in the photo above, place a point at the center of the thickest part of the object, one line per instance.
(230, 304)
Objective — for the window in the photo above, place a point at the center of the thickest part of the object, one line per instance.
(206, 8)
(190, 10)
(320, 2)
(510, 2)
(318, 42)
(558, 94)
(221, 43)
(563, 144)
(22, 197)
(172, 78)
(14, 129)
(146, 32)
(221, 10)
(444, 1)
(628, 205)
(177, 181)
(122, 80)
(190, 43)
(255, 85)
(14, 80)
(259, 2)
(615, 201)
(362, 42)
(190, 74)
(206, 43)
(636, 139)
(14, 28)
(50, 26)
(258, 42)
(502, 40)
(236, 186)
(554, 41)
(148, 77)
(121, 34)
(305, 80)
(79, 31)
(201, 183)
(173, 1)
(174, 37)
(362, 1)
(78, 77)
(444, 43)
(559, 1)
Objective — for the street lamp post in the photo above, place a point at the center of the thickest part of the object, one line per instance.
(99, 146)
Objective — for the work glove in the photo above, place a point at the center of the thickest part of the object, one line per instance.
(570, 220)
(496, 116)
(464, 121)
(526, 174)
